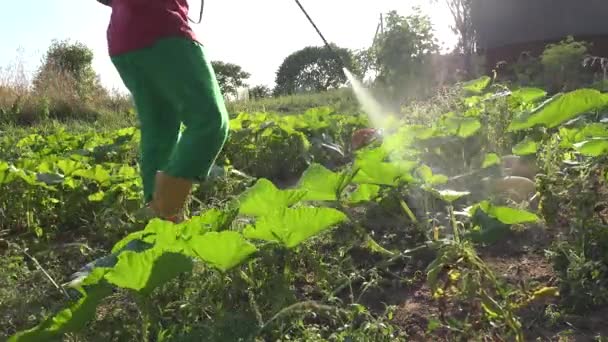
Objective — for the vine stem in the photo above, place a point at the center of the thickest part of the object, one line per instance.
(147, 316)
(39, 266)
(454, 223)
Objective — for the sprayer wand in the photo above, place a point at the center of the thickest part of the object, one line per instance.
(321, 34)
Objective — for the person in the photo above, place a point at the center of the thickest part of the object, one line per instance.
(165, 68)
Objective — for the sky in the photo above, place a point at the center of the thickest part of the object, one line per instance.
(257, 35)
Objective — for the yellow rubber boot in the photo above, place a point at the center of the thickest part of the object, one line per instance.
(170, 194)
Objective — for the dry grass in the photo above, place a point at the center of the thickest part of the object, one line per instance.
(54, 95)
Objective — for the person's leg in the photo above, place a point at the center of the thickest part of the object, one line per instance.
(159, 132)
(159, 128)
(187, 78)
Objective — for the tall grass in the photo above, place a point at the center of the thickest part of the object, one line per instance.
(56, 97)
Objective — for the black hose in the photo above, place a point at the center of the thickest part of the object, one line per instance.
(200, 17)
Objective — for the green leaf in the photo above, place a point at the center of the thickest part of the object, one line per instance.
(487, 229)
(529, 95)
(321, 184)
(264, 198)
(72, 319)
(44, 167)
(375, 155)
(68, 167)
(97, 173)
(402, 139)
(211, 220)
(592, 148)
(6, 176)
(571, 136)
(127, 171)
(96, 197)
(156, 231)
(468, 127)
(477, 86)
(364, 193)
(384, 173)
(452, 124)
(293, 226)
(491, 159)
(507, 215)
(223, 250)
(449, 195)
(561, 108)
(145, 271)
(525, 147)
(426, 173)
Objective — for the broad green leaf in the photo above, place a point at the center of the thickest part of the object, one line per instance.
(402, 139)
(97, 173)
(592, 148)
(468, 127)
(449, 195)
(44, 167)
(167, 236)
(293, 226)
(561, 108)
(161, 231)
(426, 173)
(27, 176)
(6, 176)
(72, 319)
(321, 184)
(145, 271)
(71, 183)
(364, 193)
(264, 198)
(477, 86)
(223, 250)
(127, 171)
(422, 132)
(68, 167)
(571, 136)
(96, 197)
(529, 95)
(525, 147)
(472, 101)
(451, 124)
(125, 132)
(384, 173)
(507, 215)
(491, 159)
(487, 229)
(462, 127)
(210, 220)
(372, 155)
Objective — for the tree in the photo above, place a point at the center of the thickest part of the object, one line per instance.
(260, 92)
(70, 64)
(365, 60)
(464, 28)
(403, 53)
(229, 76)
(313, 69)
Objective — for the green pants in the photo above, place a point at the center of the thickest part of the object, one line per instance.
(173, 83)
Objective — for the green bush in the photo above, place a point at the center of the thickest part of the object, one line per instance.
(563, 64)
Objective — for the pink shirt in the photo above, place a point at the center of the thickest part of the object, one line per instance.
(136, 24)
